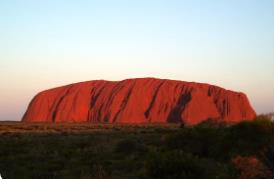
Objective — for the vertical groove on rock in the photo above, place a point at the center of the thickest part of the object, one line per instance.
(114, 92)
(124, 102)
(95, 97)
(175, 114)
(54, 113)
(153, 99)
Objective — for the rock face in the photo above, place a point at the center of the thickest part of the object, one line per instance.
(144, 100)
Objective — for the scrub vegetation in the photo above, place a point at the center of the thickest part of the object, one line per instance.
(208, 150)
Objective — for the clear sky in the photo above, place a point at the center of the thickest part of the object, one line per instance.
(44, 44)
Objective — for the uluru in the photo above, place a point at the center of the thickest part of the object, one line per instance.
(138, 101)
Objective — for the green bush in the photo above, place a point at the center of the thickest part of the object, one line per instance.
(248, 137)
(178, 164)
(174, 164)
(128, 146)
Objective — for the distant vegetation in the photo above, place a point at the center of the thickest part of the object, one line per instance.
(208, 150)
(270, 116)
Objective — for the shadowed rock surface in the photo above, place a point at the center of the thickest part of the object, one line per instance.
(143, 100)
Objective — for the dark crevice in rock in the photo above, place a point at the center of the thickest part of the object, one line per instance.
(54, 113)
(124, 102)
(153, 99)
(175, 114)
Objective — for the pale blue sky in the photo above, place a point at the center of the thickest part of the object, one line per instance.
(43, 44)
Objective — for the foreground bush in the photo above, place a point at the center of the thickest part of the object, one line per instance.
(178, 164)
(251, 167)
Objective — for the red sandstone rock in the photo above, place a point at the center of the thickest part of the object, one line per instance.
(145, 100)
